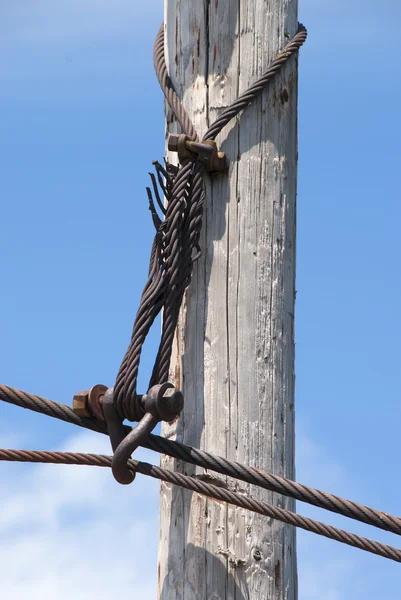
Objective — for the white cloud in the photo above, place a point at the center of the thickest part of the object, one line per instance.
(325, 581)
(72, 532)
(315, 467)
(323, 573)
(327, 569)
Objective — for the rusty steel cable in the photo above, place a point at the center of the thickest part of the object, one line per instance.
(176, 243)
(180, 264)
(218, 493)
(256, 88)
(171, 260)
(170, 271)
(168, 90)
(239, 104)
(200, 458)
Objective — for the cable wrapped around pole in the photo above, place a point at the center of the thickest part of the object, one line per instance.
(177, 236)
(173, 100)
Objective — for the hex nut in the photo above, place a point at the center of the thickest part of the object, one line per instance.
(174, 400)
(163, 401)
(173, 142)
(80, 404)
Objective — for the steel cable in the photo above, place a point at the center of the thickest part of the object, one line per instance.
(169, 274)
(168, 90)
(177, 236)
(200, 458)
(256, 88)
(212, 491)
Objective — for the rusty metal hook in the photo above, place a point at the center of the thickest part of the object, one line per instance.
(163, 402)
(115, 428)
(122, 473)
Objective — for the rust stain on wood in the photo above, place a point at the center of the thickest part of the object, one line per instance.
(176, 46)
(198, 42)
(277, 580)
(284, 96)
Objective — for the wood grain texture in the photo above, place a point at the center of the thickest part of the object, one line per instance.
(234, 349)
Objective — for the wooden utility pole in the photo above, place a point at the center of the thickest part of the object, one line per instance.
(234, 350)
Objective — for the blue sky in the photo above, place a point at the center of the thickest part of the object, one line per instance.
(78, 93)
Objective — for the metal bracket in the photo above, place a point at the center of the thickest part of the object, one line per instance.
(206, 151)
(116, 433)
(163, 402)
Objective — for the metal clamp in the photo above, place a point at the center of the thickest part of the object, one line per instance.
(206, 151)
(163, 402)
(116, 432)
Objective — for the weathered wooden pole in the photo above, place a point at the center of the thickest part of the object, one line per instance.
(234, 351)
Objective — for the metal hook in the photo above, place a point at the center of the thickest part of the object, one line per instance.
(116, 431)
(162, 403)
(122, 473)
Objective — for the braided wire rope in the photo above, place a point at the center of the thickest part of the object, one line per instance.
(173, 100)
(169, 274)
(201, 458)
(212, 491)
(256, 88)
(177, 237)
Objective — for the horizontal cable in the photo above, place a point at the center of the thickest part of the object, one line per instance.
(212, 491)
(203, 459)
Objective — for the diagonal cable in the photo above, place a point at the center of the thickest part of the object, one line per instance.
(200, 458)
(212, 491)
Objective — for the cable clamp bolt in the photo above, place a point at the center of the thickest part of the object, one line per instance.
(89, 403)
(206, 151)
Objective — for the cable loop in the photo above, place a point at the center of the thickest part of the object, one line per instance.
(176, 243)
